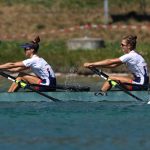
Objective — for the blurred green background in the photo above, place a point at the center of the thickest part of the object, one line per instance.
(22, 20)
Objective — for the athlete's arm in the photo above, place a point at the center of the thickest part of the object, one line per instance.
(108, 63)
(12, 65)
(17, 69)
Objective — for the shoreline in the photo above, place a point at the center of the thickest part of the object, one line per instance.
(58, 74)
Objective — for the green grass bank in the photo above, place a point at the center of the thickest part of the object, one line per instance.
(68, 61)
(39, 17)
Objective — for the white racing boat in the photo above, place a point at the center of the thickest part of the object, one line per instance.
(112, 96)
(72, 93)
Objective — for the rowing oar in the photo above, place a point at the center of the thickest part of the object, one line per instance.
(27, 86)
(114, 83)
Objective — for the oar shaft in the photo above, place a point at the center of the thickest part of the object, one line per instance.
(43, 94)
(127, 92)
(9, 77)
(100, 73)
(119, 85)
(27, 86)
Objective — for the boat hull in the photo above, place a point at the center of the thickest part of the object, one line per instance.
(72, 96)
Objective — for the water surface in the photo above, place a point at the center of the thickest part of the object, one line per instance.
(74, 125)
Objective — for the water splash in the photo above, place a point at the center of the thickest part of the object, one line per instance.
(71, 78)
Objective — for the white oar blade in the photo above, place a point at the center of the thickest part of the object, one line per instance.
(148, 102)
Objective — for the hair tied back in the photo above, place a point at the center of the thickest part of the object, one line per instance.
(36, 40)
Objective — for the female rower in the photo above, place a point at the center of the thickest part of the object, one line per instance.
(43, 73)
(134, 62)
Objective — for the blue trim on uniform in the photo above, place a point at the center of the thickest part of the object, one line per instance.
(138, 79)
(52, 80)
(51, 86)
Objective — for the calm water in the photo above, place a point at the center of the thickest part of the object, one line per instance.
(74, 126)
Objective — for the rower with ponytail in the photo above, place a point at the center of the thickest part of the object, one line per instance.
(43, 72)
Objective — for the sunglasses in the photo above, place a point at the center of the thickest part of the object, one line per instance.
(123, 44)
(26, 49)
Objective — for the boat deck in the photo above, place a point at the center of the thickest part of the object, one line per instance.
(72, 96)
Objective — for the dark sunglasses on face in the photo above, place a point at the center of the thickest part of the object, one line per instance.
(123, 44)
(26, 49)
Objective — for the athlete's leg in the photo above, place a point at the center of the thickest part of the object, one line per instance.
(106, 86)
(25, 77)
(14, 87)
